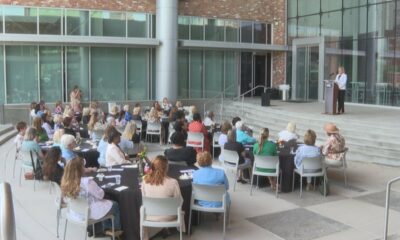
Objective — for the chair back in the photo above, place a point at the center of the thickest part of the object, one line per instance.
(138, 125)
(78, 207)
(7, 217)
(314, 163)
(213, 193)
(230, 157)
(195, 139)
(266, 162)
(154, 128)
(215, 139)
(162, 206)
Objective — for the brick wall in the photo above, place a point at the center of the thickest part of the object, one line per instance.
(270, 11)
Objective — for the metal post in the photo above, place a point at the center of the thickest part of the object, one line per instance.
(7, 218)
(387, 208)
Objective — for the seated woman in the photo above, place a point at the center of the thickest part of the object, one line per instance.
(334, 147)
(137, 112)
(128, 115)
(68, 144)
(192, 111)
(223, 137)
(58, 121)
(264, 147)
(57, 137)
(180, 153)
(180, 124)
(95, 127)
(157, 184)
(52, 169)
(67, 122)
(242, 136)
(102, 146)
(30, 144)
(207, 175)
(127, 138)
(48, 124)
(74, 185)
(233, 145)
(86, 115)
(197, 126)
(209, 120)
(114, 154)
(307, 150)
(120, 120)
(40, 131)
(152, 116)
(114, 112)
(289, 133)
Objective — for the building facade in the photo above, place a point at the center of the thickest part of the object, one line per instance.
(110, 49)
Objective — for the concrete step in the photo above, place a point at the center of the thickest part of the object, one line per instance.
(6, 133)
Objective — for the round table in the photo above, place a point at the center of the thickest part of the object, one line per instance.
(130, 199)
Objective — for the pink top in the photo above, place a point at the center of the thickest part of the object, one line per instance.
(196, 126)
(334, 147)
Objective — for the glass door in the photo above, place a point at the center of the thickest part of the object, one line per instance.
(307, 73)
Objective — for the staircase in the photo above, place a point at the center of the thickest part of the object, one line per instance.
(368, 140)
(7, 132)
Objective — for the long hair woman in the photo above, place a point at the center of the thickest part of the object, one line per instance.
(74, 185)
(51, 169)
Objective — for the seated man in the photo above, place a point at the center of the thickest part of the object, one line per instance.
(207, 175)
(180, 153)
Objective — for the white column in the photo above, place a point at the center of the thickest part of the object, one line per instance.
(167, 52)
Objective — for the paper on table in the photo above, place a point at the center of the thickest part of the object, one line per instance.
(129, 166)
(187, 171)
(122, 188)
(112, 176)
(117, 169)
(85, 150)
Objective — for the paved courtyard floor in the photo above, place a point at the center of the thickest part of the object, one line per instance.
(355, 212)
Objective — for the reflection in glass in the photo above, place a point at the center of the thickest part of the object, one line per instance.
(197, 28)
(232, 30)
(1, 75)
(138, 73)
(353, 3)
(307, 7)
(292, 8)
(329, 5)
(20, 20)
(183, 73)
(231, 71)
(196, 74)
(137, 25)
(260, 33)
(106, 23)
(331, 25)
(358, 19)
(381, 20)
(308, 26)
(49, 21)
(77, 22)
(22, 74)
(246, 31)
(214, 29)
(183, 27)
(108, 73)
(292, 30)
(50, 73)
(78, 70)
(214, 72)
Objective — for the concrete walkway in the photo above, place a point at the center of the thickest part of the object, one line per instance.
(355, 212)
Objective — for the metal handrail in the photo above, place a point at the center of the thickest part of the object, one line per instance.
(243, 94)
(218, 96)
(388, 188)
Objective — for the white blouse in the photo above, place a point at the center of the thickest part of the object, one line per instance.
(286, 136)
(114, 156)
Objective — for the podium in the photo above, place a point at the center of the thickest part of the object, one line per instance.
(331, 94)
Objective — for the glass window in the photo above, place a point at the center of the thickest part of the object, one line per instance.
(331, 25)
(329, 5)
(1, 19)
(153, 74)
(246, 31)
(138, 73)
(232, 30)
(183, 27)
(106, 23)
(183, 73)
(20, 20)
(2, 99)
(196, 74)
(353, 3)
(50, 73)
(77, 22)
(260, 33)
(231, 80)
(308, 26)
(307, 7)
(49, 21)
(358, 18)
(78, 70)
(153, 26)
(292, 30)
(22, 74)
(108, 73)
(197, 28)
(214, 73)
(214, 29)
(378, 1)
(137, 25)
(292, 8)
(269, 33)
(381, 20)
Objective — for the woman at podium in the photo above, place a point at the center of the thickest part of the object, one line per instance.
(341, 81)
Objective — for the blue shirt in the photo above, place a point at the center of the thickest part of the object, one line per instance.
(305, 151)
(244, 138)
(67, 154)
(26, 147)
(211, 176)
(128, 116)
(102, 149)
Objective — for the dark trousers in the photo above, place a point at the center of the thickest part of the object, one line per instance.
(341, 96)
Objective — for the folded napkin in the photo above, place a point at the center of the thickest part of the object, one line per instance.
(121, 188)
